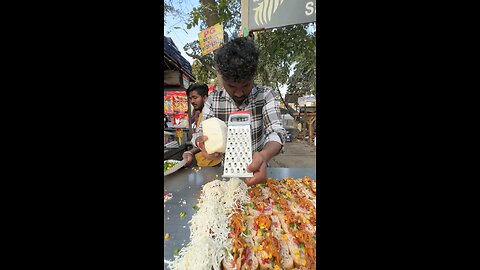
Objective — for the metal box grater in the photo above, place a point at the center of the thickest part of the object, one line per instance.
(238, 154)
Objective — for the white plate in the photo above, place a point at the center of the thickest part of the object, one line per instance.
(174, 168)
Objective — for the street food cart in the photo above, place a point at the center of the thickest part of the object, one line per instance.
(177, 78)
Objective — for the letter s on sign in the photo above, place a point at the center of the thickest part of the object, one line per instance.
(310, 9)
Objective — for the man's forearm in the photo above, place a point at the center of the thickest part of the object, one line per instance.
(195, 150)
(195, 136)
(270, 150)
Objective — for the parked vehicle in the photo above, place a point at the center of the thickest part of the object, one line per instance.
(288, 137)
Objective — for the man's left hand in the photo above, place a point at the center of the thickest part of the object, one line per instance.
(259, 169)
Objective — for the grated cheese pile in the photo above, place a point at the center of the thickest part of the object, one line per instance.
(209, 226)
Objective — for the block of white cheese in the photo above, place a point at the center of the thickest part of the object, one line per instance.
(216, 131)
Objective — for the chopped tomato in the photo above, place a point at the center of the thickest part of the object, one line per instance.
(255, 226)
(250, 262)
(295, 240)
(244, 255)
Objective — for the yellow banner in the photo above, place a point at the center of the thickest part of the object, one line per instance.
(211, 38)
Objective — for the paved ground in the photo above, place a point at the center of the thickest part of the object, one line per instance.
(297, 154)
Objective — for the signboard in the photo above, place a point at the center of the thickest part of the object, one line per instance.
(186, 81)
(211, 38)
(265, 14)
(180, 120)
(175, 107)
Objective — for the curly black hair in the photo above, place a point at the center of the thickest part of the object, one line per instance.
(237, 60)
(202, 89)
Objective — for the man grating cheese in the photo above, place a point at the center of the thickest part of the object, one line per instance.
(237, 63)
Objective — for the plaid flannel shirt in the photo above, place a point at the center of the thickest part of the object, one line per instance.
(266, 121)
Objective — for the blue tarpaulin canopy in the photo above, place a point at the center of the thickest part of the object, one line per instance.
(173, 53)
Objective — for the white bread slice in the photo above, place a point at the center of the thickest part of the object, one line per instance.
(263, 266)
(286, 260)
(227, 263)
(256, 241)
(251, 256)
(297, 253)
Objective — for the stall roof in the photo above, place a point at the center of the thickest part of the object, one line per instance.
(171, 51)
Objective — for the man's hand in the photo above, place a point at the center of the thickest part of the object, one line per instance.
(188, 157)
(259, 169)
(200, 143)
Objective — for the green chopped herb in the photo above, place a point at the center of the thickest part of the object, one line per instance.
(301, 245)
(314, 238)
(196, 207)
(248, 232)
(182, 214)
(231, 251)
(175, 251)
(167, 165)
(244, 213)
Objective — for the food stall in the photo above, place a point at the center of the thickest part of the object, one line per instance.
(177, 77)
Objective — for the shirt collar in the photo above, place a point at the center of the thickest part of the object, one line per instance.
(250, 98)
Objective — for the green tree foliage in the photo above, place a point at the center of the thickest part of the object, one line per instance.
(202, 74)
(280, 48)
(303, 80)
(212, 12)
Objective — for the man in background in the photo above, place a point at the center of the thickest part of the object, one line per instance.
(197, 94)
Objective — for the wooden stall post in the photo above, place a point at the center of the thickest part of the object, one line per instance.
(305, 119)
(311, 120)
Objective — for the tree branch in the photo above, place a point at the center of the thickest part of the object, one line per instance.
(207, 66)
(290, 110)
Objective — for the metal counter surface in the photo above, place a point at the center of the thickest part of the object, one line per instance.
(186, 186)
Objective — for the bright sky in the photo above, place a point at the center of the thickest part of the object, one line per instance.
(181, 35)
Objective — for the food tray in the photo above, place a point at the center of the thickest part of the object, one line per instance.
(173, 169)
(186, 187)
